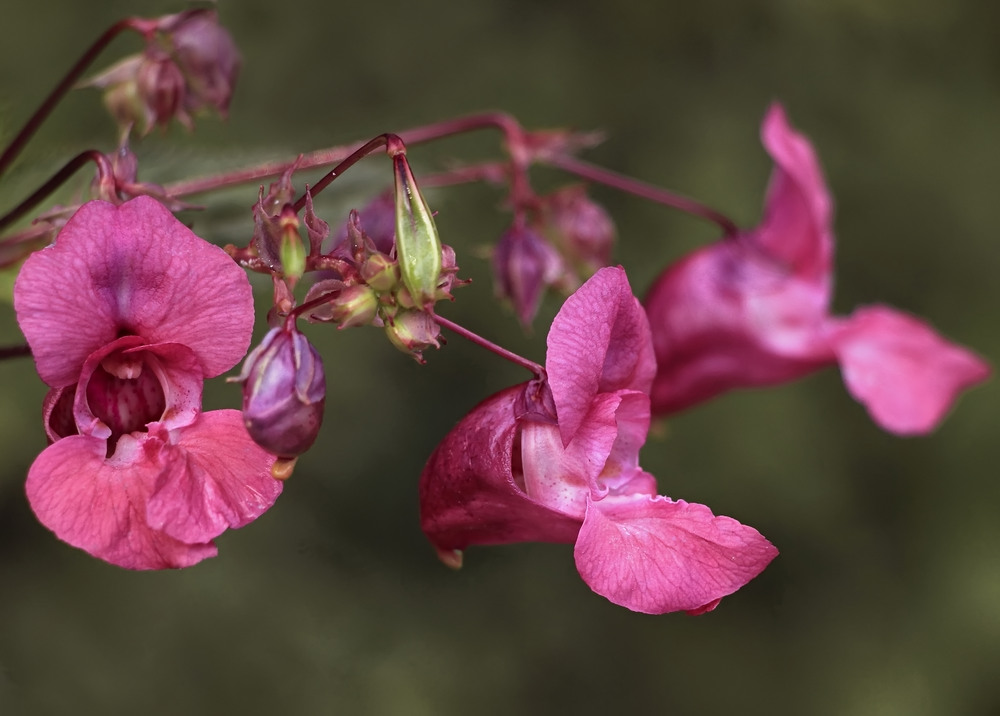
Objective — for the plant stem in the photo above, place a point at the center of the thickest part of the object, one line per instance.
(629, 185)
(323, 157)
(14, 351)
(75, 72)
(535, 368)
(392, 143)
(104, 171)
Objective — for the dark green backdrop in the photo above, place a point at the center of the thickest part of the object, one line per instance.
(886, 596)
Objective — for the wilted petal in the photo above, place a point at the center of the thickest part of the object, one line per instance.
(899, 368)
(599, 342)
(653, 555)
(99, 505)
(132, 269)
(468, 491)
(215, 477)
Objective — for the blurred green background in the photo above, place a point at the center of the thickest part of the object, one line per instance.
(886, 596)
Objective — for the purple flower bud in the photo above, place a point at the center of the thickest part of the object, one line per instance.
(207, 55)
(524, 263)
(161, 86)
(582, 228)
(284, 390)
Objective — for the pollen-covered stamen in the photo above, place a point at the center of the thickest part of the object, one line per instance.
(125, 404)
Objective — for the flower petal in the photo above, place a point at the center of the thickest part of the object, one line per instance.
(99, 505)
(653, 555)
(468, 492)
(599, 342)
(215, 477)
(795, 229)
(725, 317)
(899, 368)
(561, 477)
(131, 269)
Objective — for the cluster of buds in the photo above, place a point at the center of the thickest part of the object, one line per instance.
(371, 286)
(190, 63)
(391, 280)
(571, 238)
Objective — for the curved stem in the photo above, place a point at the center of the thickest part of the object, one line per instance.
(323, 157)
(530, 365)
(393, 145)
(75, 72)
(104, 171)
(629, 185)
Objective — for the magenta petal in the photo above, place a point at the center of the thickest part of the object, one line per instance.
(906, 374)
(599, 342)
(724, 317)
(796, 227)
(99, 505)
(561, 477)
(131, 269)
(468, 492)
(653, 555)
(215, 477)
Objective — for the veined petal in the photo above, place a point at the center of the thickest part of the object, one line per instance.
(653, 555)
(131, 269)
(98, 505)
(599, 342)
(214, 477)
(901, 370)
(468, 491)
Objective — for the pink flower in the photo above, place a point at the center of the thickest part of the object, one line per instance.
(126, 315)
(559, 462)
(754, 310)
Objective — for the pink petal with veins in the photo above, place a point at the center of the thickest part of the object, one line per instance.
(99, 505)
(215, 477)
(653, 555)
(132, 269)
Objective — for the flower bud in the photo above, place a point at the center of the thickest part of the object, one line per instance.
(284, 390)
(380, 272)
(412, 332)
(524, 263)
(582, 228)
(207, 55)
(418, 248)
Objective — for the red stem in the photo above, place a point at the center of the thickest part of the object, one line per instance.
(75, 72)
(324, 157)
(629, 185)
(535, 368)
(393, 145)
(104, 171)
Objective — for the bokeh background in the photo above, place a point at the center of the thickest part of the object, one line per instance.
(886, 596)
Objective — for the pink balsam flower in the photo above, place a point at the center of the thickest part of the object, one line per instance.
(559, 462)
(754, 310)
(126, 315)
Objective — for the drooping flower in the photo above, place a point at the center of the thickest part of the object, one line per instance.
(190, 64)
(126, 315)
(558, 461)
(754, 310)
